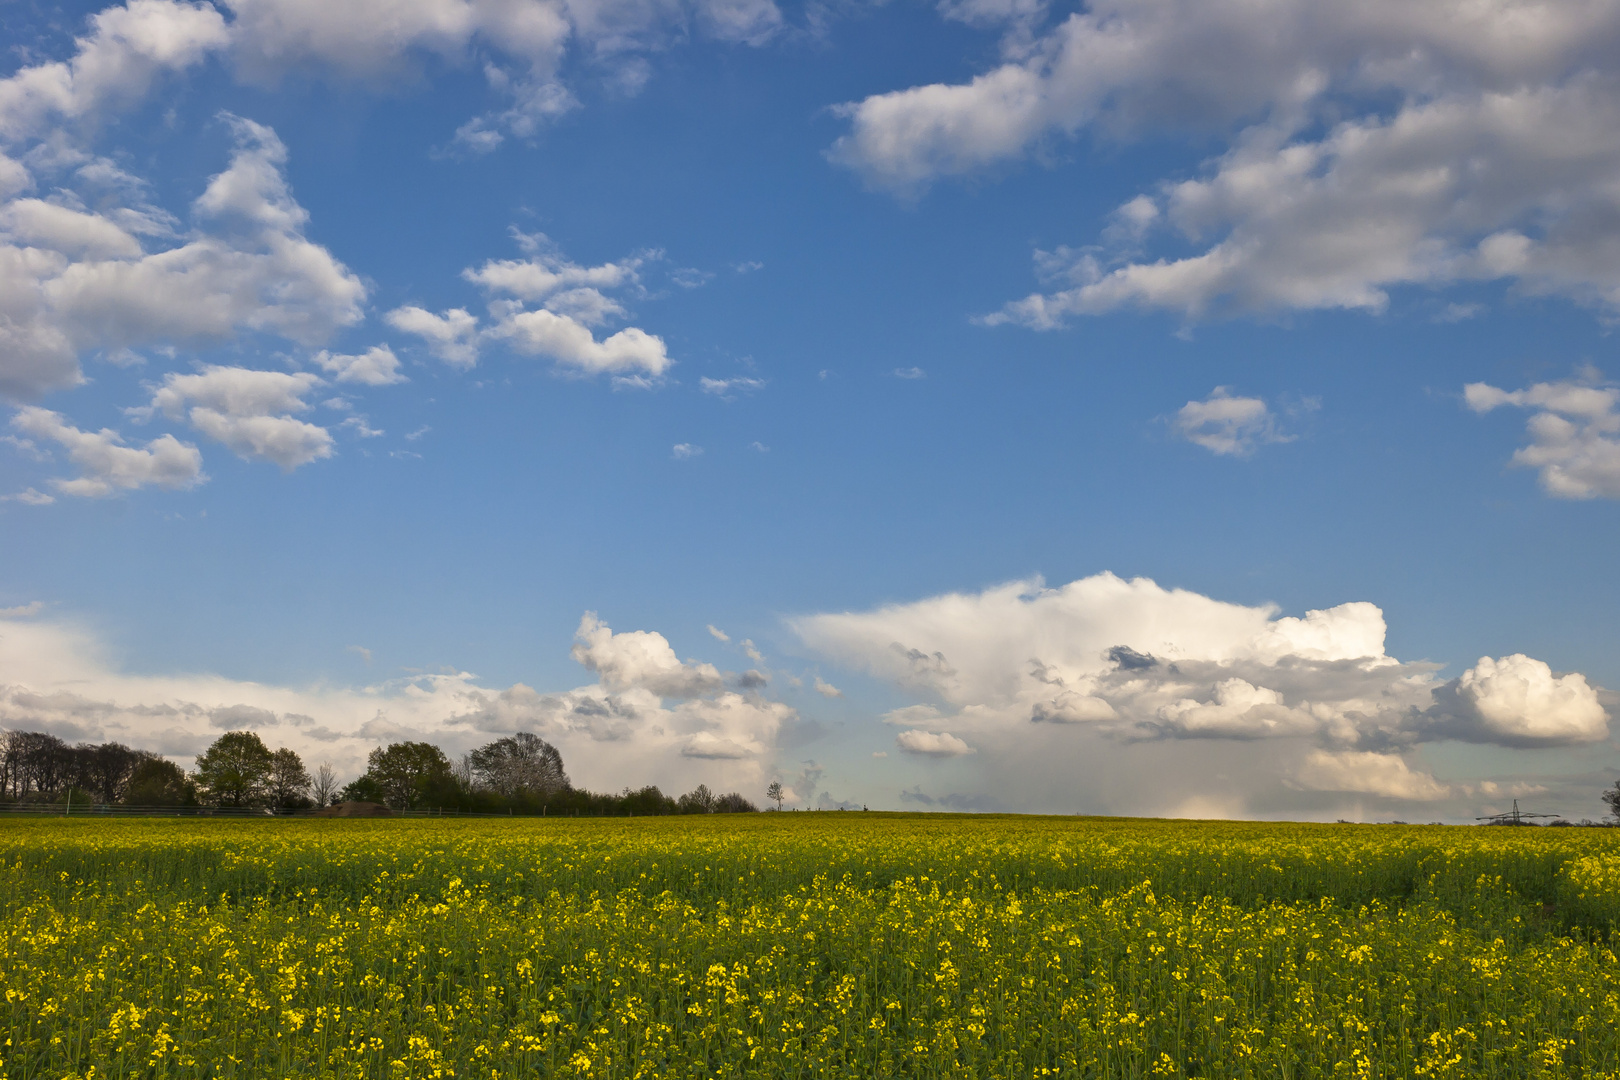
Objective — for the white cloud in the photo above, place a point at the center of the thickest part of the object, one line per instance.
(1227, 425)
(1495, 163)
(910, 373)
(23, 611)
(931, 744)
(1368, 773)
(751, 651)
(377, 366)
(1136, 64)
(684, 450)
(1507, 185)
(571, 344)
(29, 497)
(718, 634)
(72, 281)
(1575, 434)
(55, 677)
(1518, 701)
(452, 337)
(248, 411)
(571, 300)
(640, 658)
(548, 273)
(827, 689)
(1132, 661)
(113, 65)
(105, 464)
(1115, 696)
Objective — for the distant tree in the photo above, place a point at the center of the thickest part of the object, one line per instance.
(235, 771)
(289, 783)
(734, 803)
(521, 764)
(645, 802)
(412, 774)
(700, 800)
(158, 782)
(324, 787)
(363, 788)
(106, 770)
(1611, 799)
(37, 764)
(775, 793)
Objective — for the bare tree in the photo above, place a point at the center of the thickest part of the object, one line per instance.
(775, 793)
(521, 764)
(700, 800)
(1611, 798)
(324, 786)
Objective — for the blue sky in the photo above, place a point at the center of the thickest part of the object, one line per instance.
(352, 355)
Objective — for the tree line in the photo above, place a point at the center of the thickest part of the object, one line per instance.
(520, 773)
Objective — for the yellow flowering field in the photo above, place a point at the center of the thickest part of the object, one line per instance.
(805, 945)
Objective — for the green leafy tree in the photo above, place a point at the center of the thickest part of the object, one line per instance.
(363, 788)
(235, 771)
(289, 781)
(1611, 799)
(157, 782)
(412, 774)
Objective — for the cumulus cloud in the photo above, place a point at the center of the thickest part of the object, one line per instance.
(640, 658)
(570, 299)
(130, 47)
(1108, 695)
(1107, 661)
(377, 366)
(1227, 425)
(1575, 433)
(1494, 163)
(452, 336)
(248, 411)
(73, 280)
(571, 344)
(932, 744)
(1368, 773)
(126, 49)
(106, 465)
(1519, 701)
(55, 677)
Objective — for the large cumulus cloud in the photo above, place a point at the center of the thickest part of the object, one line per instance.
(1056, 678)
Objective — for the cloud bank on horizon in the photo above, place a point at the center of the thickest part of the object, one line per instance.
(1018, 679)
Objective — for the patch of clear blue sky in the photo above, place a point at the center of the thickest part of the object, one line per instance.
(538, 496)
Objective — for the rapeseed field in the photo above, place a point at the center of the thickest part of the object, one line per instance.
(805, 945)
